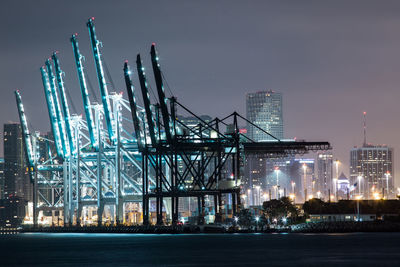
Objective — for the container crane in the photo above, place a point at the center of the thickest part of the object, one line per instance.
(60, 118)
(134, 108)
(161, 94)
(52, 112)
(64, 104)
(85, 93)
(146, 100)
(25, 134)
(102, 81)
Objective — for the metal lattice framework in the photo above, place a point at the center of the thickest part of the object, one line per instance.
(109, 160)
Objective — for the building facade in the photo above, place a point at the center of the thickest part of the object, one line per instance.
(371, 167)
(264, 109)
(16, 180)
(324, 175)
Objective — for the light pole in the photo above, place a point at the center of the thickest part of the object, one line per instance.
(387, 174)
(334, 188)
(337, 162)
(244, 199)
(257, 219)
(359, 184)
(277, 180)
(305, 181)
(358, 206)
(258, 195)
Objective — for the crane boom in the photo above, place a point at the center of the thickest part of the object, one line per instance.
(85, 93)
(161, 93)
(25, 131)
(60, 118)
(52, 112)
(102, 81)
(134, 109)
(146, 100)
(64, 103)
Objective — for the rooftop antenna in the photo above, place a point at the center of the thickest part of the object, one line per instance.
(365, 128)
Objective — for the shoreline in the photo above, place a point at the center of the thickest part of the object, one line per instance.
(318, 227)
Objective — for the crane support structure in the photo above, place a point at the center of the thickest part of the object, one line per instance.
(134, 108)
(146, 101)
(60, 118)
(25, 132)
(64, 104)
(84, 91)
(161, 93)
(102, 81)
(139, 169)
(52, 112)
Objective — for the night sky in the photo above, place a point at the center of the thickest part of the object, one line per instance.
(332, 60)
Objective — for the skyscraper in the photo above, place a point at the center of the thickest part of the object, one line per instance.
(264, 109)
(371, 167)
(324, 177)
(16, 181)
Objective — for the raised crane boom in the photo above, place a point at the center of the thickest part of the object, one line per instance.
(64, 103)
(85, 93)
(102, 81)
(161, 94)
(146, 100)
(134, 110)
(60, 118)
(25, 132)
(52, 112)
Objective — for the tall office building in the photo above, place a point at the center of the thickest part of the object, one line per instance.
(264, 109)
(371, 166)
(16, 180)
(324, 177)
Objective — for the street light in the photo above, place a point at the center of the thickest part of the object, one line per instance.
(257, 219)
(337, 162)
(334, 188)
(387, 174)
(249, 197)
(358, 198)
(304, 181)
(277, 179)
(258, 195)
(359, 184)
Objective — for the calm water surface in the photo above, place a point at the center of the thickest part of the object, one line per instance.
(357, 249)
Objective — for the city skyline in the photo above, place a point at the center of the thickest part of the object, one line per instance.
(337, 59)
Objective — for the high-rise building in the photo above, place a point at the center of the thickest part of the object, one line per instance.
(371, 167)
(324, 177)
(264, 109)
(16, 180)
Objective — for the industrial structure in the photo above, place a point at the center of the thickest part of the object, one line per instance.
(97, 169)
